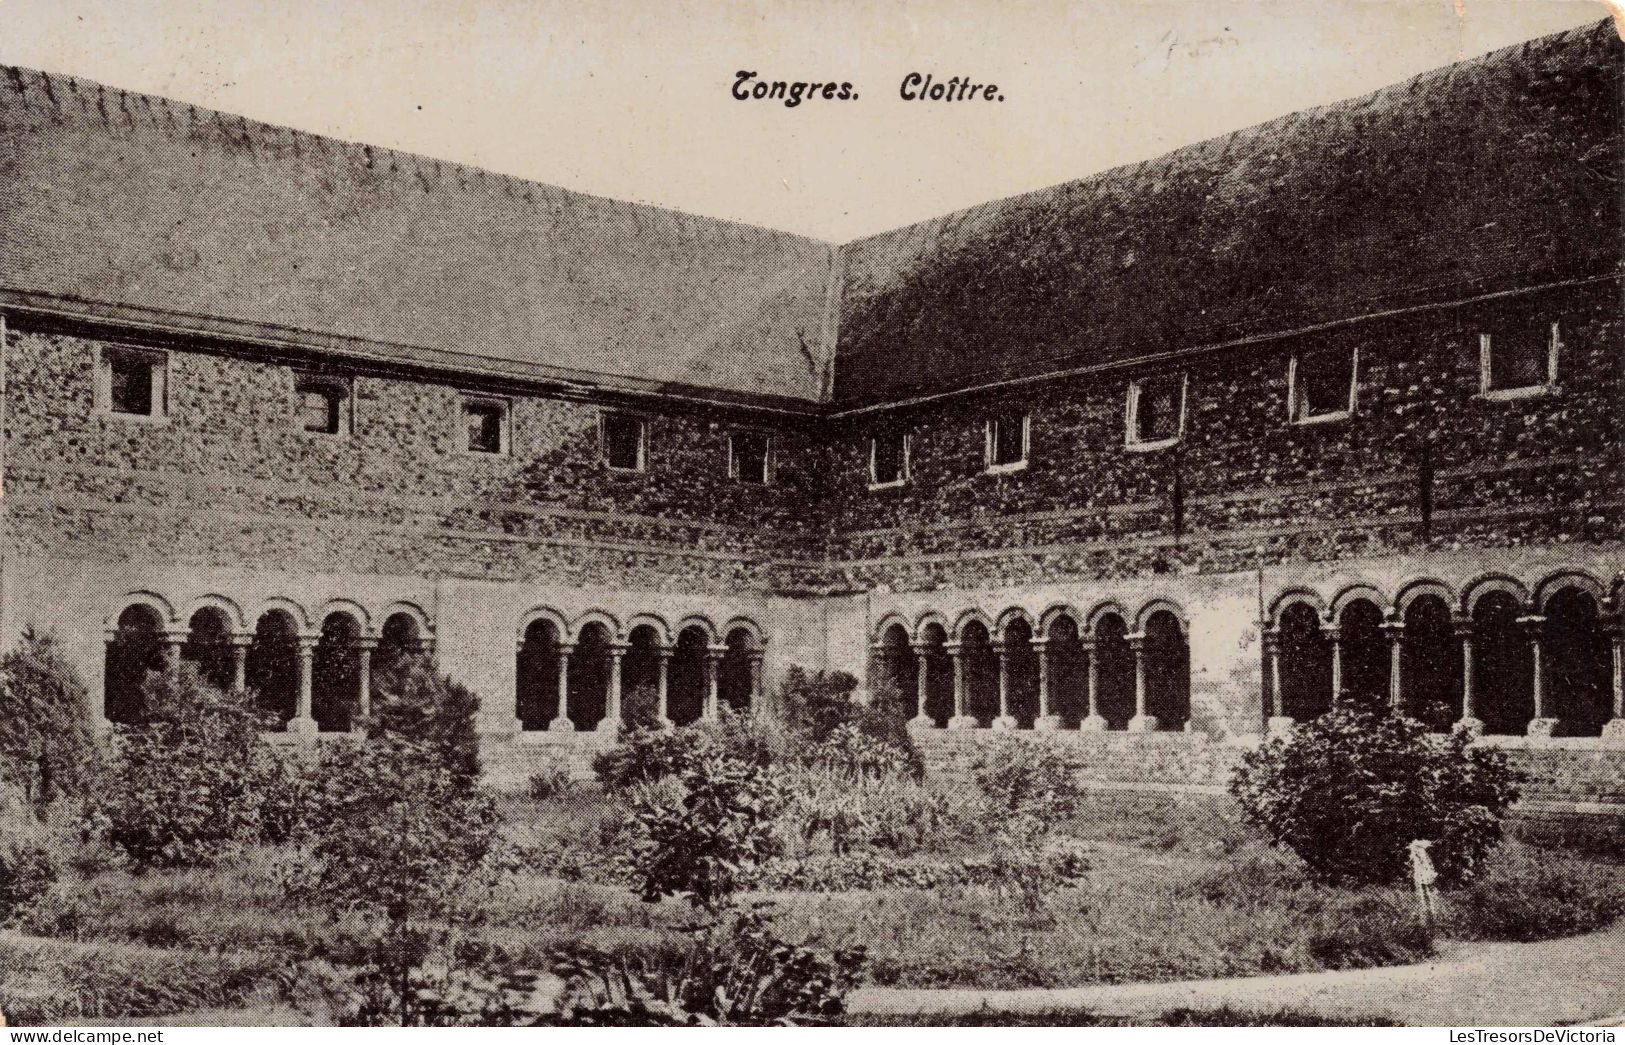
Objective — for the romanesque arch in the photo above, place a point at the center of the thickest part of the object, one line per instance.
(1579, 661)
(1430, 676)
(1503, 665)
(1305, 671)
(1167, 667)
(135, 646)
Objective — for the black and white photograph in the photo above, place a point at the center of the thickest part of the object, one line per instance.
(833, 514)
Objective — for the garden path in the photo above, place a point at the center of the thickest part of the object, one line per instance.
(1578, 979)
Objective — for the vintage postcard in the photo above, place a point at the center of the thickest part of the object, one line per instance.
(835, 514)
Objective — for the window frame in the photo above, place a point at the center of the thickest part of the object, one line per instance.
(989, 444)
(1131, 416)
(158, 378)
(905, 469)
(339, 386)
(1300, 416)
(767, 456)
(604, 419)
(504, 425)
(1486, 348)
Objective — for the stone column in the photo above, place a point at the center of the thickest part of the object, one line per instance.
(1469, 720)
(1005, 719)
(754, 657)
(1093, 720)
(1543, 724)
(1277, 721)
(239, 661)
(1613, 732)
(961, 718)
(712, 697)
(922, 686)
(561, 719)
(1395, 630)
(363, 676)
(1142, 722)
(174, 639)
(1334, 635)
(662, 676)
(611, 722)
(303, 722)
(1047, 721)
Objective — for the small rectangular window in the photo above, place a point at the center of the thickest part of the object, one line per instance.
(748, 454)
(1156, 411)
(1007, 441)
(133, 382)
(324, 405)
(625, 442)
(1518, 358)
(1323, 384)
(485, 422)
(888, 459)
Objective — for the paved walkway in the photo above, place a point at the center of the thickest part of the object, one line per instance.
(1576, 980)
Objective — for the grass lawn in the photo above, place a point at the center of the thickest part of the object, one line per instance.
(1176, 890)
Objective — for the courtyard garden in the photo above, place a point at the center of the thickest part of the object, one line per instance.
(739, 872)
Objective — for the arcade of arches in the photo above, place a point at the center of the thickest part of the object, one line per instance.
(1505, 664)
(583, 675)
(1067, 670)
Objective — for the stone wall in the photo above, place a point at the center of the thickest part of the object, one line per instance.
(1245, 488)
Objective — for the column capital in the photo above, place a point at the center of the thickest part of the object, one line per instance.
(716, 652)
(1040, 645)
(1135, 640)
(617, 649)
(1271, 638)
(176, 635)
(1461, 627)
(564, 649)
(307, 642)
(241, 639)
(924, 647)
(1394, 629)
(1331, 632)
(365, 642)
(664, 652)
(1532, 622)
(954, 648)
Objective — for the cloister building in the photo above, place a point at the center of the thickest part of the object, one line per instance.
(1322, 410)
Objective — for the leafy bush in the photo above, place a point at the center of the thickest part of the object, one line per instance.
(1350, 790)
(836, 809)
(816, 704)
(401, 835)
(736, 973)
(1028, 776)
(414, 702)
(699, 833)
(1368, 929)
(1531, 894)
(184, 782)
(553, 782)
(27, 864)
(645, 756)
(850, 751)
(46, 748)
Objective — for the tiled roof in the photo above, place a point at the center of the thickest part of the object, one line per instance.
(1491, 174)
(1499, 172)
(123, 199)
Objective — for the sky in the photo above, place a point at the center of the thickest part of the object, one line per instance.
(633, 98)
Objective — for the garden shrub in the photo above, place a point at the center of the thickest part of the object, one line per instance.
(844, 872)
(46, 747)
(1367, 929)
(1350, 790)
(1028, 776)
(849, 811)
(27, 864)
(644, 756)
(185, 782)
(818, 703)
(1531, 894)
(413, 701)
(699, 833)
(401, 836)
(736, 973)
(552, 782)
(851, 752)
